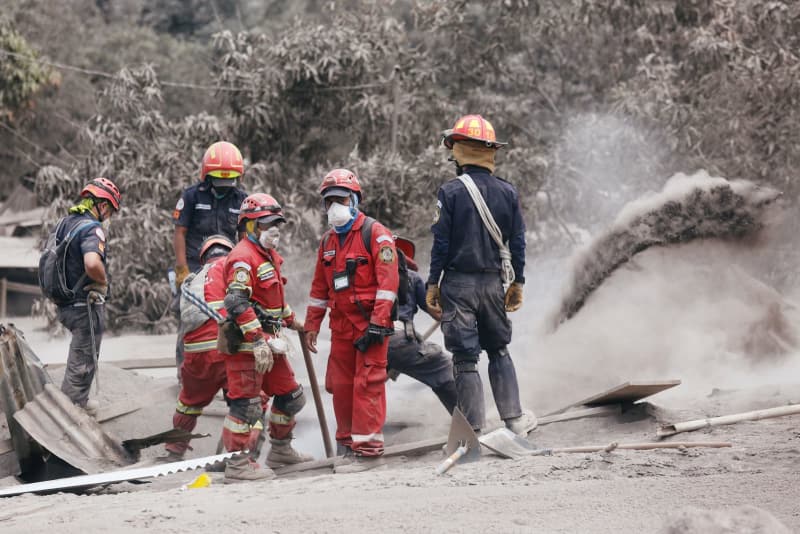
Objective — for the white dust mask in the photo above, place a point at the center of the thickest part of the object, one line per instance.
(270, 237)
(339, 214)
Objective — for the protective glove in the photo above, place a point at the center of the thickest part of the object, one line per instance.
(97, 292)
(433, 300)
(263, 357)
(513, 300)
(373, 336)
(181, 272)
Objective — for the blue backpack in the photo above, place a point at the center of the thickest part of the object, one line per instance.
(53, 265)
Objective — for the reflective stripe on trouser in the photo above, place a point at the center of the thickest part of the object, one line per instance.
(238, 435)
(201, 379)
(80, 369)
(357, 381)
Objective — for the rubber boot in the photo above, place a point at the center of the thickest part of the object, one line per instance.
(523, 424)
(505, 388)
(242, 468)
(282, 454)
(447, 396)
(359, 464)
(470, 397)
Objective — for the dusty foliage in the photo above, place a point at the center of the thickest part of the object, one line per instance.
(600, 100)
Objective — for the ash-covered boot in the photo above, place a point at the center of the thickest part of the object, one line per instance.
(282, 454)
(242, 468)
(523, 424)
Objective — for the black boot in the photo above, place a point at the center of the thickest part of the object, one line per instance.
(469, 388)
(503, 379)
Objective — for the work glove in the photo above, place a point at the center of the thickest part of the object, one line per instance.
(433, 300)
(97, 292)
(373, 336)
(181, 272)
(263, 357)
(513, 300)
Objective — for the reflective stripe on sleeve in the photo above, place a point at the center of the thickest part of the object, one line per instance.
(384, 294)
(317, 303)
(249, 326)
(188, 410)
(200, 346)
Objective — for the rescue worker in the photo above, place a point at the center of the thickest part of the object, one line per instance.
(210, 207)
(471, 296)
(203, 369)
(256, 311)
(356, 276)
(86, 271)
(408, 353)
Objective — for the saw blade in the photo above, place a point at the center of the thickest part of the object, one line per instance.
(88, 481)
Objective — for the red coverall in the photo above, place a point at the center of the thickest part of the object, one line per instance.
(356, 379)
(256, 270)
(203, 368)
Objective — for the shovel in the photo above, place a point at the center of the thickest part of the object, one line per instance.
(505, 443)
(462, 443)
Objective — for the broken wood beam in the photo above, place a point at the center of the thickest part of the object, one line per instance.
(597, 411)
(641, 446)
(756, 415)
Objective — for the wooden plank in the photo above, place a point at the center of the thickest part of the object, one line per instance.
(626, 393)
(597, 411)
(134, 363)
(416, 447)
(30, 289)
(118, 409)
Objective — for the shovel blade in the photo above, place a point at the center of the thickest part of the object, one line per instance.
(507, 444)
(461, 433)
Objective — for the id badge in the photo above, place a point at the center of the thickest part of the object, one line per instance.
(340, 281)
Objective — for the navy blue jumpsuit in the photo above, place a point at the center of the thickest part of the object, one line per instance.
(467, 259)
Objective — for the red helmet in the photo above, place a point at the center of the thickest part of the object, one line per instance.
(103, 188)
(259, 206)
(405, 245)
(215, 245)
(339, 183)
(472, 128)
(222, 160)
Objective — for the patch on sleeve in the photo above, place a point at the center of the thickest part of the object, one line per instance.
(102, 247)
(100, 234)
(436, 214)
(328, 253)
(386, 254)
(382, 238)
(179, 205)
(241, 276)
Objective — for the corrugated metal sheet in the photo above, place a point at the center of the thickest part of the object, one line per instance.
(70, 433)
(22, 377)
(88, 481)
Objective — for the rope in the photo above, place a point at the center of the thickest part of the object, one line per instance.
(507, 273)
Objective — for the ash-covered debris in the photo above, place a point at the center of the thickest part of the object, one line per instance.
(690, 207)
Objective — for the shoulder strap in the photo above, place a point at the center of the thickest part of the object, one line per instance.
(366, 233)
(78, 226)
(491, 226)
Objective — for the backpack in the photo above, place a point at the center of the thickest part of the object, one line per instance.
(404, 289)
(192, 316)
(53, 265)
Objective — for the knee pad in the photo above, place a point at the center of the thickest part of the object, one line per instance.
(502, 352)
(465, 363)
(247, 410)
(290, 403)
